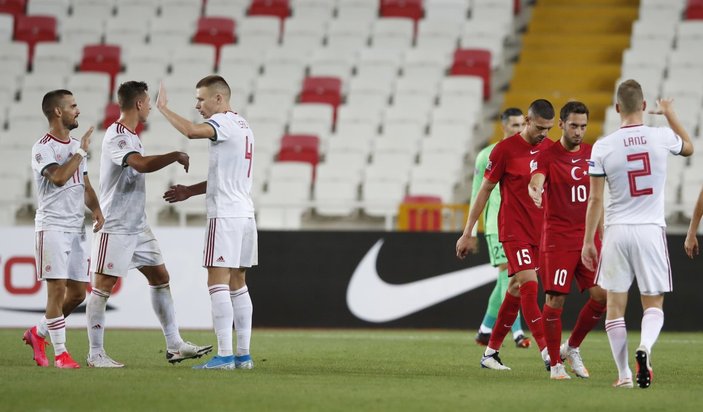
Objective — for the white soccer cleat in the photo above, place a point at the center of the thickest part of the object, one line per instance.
(493, 362)
(573, 357)
(558, 372)
(623, 383)
(101, 360)
(187, 351)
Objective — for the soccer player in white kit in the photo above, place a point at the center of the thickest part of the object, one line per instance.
(231, 238)
(62, 259)
(633, 161)
(126, 241)
(690, 245)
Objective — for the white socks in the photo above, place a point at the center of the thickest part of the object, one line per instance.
(484, 329)
(42, 330)
(652, 322)
(222, 318)
(57, 331)
(617, 336)
(95, 311)
(243, 310)
(162, 302)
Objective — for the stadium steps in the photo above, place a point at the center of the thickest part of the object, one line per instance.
(572, 52)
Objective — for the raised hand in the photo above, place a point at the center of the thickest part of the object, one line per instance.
(664, 106)
(161, 98)
(85, 140)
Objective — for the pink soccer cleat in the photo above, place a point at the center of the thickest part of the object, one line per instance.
(65, 361)
(38, 345)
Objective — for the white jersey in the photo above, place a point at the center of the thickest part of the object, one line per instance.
(122, 189)
(633, 161)
(59, 208)
(231, 165)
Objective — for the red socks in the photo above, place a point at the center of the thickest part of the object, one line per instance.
(506, 317)
(589, 316)
(552, 332)
(531, 312)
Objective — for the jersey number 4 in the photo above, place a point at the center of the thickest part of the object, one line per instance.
(632, 175)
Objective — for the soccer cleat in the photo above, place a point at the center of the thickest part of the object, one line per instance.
(558, 372)
(217, 362)
(644, 368)
(101, 360)
(493, 362)
(623, 383)
(187, 351)
(522, 341)
(482, 338)
(65, 361)
(38, 345)
(243, 362)
(573, 357)
(546, 359)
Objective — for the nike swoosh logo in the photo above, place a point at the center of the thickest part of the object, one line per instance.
(574, 160)
(372, 299)
(534, 151)
(535, 320)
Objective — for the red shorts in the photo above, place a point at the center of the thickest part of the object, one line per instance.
(560, 268)
(521, 256)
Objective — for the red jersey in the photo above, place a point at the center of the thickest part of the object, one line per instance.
(509, 164)
(566, 191)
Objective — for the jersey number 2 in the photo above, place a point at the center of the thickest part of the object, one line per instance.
(632, 175)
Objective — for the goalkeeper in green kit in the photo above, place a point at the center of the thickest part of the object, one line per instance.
(513, 122)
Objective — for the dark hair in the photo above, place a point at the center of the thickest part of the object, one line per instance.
(630, 96)
(129, 92)
(541, 108)
(216, 82)
(52, 100)
(573, 106)
(510, 112)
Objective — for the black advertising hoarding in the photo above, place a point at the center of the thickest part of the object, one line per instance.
(409, 280)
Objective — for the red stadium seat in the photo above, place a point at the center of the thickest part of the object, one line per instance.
(276, 8)
(423, 213)
(474, 62)
(694, 10)
(300, 148)
(14, 7)
(112, 113)
(216, 31)
(322, 90)
(411, 9)
(102, 58)
(35, 29)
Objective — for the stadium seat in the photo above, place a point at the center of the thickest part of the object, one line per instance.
(55, 57)
(330, 62)
(438, 35)
(234, 9)
(260, 31)
(322, 90)
(303, 34)
(103, 58)
(35, 29)
(300, 148)
(15, 8)
(319, 11)
(58, 8)
(694, 10)
(335, 197)
(197, 59)
(7, 22)
(112, 113)
(348, 34)
(277, 8)
(91, 9)
(411, 9)
(126, 31)
(357, 10)
(474, 62)
(393, 33)
(420, 215)
(168, 36)
(216, 31)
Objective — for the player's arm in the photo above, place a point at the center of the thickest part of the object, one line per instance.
(148, 164)
(463, 245)
(665, 107)
(186, 127)
(178, 193)
(536, 187)
(92, 203)
(691, 242)
(594, 213)
(59, 174)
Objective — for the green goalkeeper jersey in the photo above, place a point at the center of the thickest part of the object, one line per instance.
(490, 213)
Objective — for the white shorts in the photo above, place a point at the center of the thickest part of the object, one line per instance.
(115, 254)
(635, 251)
(61, 255)
(231, 242)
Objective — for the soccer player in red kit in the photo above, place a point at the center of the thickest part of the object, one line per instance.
(519, 226)
(562, 171)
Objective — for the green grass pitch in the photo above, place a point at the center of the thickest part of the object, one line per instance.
(344, 370)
